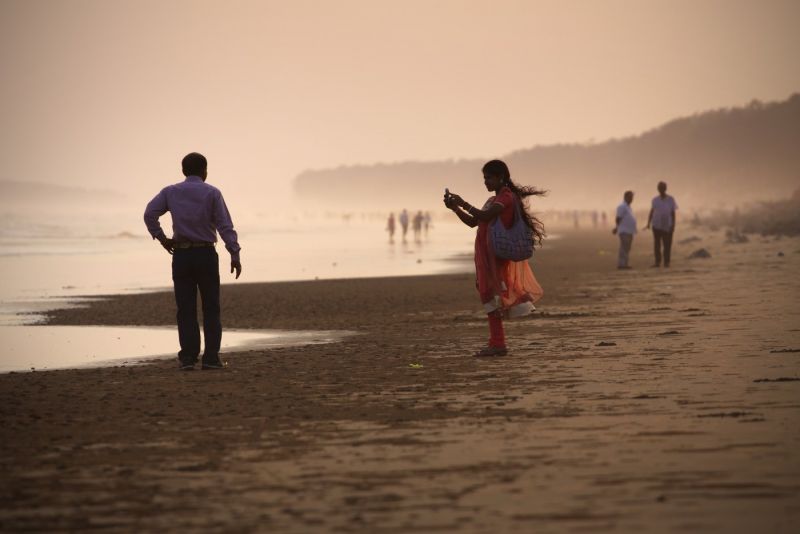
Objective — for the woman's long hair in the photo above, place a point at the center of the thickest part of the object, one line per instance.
(500, 169)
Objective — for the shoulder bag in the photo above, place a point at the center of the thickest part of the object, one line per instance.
(515, 243)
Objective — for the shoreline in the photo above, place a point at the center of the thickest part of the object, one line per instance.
(658, 384)
(442, 292)
(60, 347)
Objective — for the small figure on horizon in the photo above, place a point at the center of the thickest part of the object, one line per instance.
(390, 227)
(426, 223)
(595, 216)
(404, 223)
(625, 229)
(198, 213)
(604, 219)
(506, 288)
(662, 219)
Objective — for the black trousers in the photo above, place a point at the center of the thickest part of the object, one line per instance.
(659, 237)
(193, 269)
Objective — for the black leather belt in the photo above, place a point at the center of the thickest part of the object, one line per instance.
(193, 244)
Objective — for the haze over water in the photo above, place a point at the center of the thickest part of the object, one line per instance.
(80, 256)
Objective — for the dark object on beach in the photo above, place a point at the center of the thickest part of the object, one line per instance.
(781, 379)
(669, 333)
(783, 351)
(734, 237)
(692, 239)
(606, 344)
(781, 254)
(700, 253)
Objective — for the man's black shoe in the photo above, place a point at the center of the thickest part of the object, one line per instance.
(186, 366)
(214, 366)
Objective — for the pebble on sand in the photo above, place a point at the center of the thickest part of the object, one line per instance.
(700, 253)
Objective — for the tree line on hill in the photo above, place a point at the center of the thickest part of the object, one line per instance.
(713, 159)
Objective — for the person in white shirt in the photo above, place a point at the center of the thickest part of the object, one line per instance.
(662, 218)
(625, 229)
(404, 223)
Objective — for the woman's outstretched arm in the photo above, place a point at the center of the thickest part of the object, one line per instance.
(465, 217)
(475, 213)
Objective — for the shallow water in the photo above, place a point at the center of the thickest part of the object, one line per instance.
(27, 348)
(45, 269)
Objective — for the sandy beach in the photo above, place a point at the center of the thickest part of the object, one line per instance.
(643, 400)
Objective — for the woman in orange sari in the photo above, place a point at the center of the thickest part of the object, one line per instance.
(506, 288)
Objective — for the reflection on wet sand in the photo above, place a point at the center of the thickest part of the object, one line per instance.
(29, 348)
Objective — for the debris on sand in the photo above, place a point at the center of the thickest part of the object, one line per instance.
(670, 333)
(692, 239)
(735, 237)
(606, 344)
(781, 379)
(700, 253)
(726, 414)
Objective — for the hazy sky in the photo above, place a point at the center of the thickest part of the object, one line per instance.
(113, 93)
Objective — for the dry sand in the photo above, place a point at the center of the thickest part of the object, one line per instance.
(647, 400)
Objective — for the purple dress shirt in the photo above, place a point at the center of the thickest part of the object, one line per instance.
(198, 212)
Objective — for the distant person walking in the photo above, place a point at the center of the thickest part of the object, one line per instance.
(390, 227)
(625, 229)
(662, 219)
(404, 222)
(198, 213)
(506, 288)
(417, 225)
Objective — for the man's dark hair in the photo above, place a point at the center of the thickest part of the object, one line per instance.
(194, 164)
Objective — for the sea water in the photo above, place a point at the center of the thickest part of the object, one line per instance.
(63, 261)
(55, 265)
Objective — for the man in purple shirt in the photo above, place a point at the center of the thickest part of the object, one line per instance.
(198, 213)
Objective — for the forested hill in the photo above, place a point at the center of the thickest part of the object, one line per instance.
(726, 156)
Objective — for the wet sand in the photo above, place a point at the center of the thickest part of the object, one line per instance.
(643, 400)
